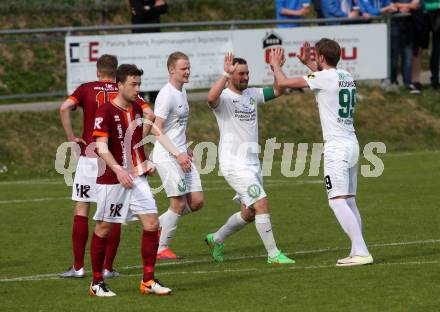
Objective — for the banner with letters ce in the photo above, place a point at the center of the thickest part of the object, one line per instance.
(364, 52)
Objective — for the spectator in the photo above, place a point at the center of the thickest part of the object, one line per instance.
(147, 12)
(433, 9)
(291, 10)
(420, 40)
(401, 42)
(339, 8)
(317, 5)
(376, 7)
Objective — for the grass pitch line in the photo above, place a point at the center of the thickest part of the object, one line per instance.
(32, 200)
(46, 277)
(54, 276)
(268, 184)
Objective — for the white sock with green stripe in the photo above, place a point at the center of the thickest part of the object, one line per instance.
(234, 224)
(264, 228)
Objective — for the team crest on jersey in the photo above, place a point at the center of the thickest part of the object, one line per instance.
(254, 190)
(341, 76)
(182, 185)
(117, 119)
(311, 76)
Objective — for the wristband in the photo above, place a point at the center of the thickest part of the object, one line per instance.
(227, 75)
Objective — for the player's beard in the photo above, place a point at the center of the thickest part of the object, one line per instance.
(242, 85)
(129, 99)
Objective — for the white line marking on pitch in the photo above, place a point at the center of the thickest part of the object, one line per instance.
(269, 184)
(32, 200)
(54, 276)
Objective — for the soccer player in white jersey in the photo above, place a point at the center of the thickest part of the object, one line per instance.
(235, 108)
(335, 93)
(179, 176)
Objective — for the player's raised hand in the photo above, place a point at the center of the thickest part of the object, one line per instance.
(305, 57)
(124, 178)
(184, 162)
(276, 58)
(229, 66)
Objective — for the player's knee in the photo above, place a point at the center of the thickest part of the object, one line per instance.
(81, 209)
(196, 205)
(261, 206)
(248, 215)
(152, 224)
(103, 229)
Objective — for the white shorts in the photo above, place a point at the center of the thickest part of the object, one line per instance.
(175, 181)
(117, 204)
(84, 183)
(248, 183)
(341, 167)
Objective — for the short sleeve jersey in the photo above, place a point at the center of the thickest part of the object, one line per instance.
(89, 96)
(237, 118)
(171, 105)
(335, 92)
(124, 131)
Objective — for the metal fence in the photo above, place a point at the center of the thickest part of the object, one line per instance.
(58, 34)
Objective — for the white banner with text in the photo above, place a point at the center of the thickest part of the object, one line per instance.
(363, 52)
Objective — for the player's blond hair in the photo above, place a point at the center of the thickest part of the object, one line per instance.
(107, 65)
(174, 57)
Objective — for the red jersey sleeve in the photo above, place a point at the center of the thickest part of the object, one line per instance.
(101, 127)
(141, 102)
(78, 96)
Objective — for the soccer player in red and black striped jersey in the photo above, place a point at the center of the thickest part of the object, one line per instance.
(122, 192)
(89, 96)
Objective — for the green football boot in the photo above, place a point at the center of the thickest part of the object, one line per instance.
(216, 248)
(279, 259)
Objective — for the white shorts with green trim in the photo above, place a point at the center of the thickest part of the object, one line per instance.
(341, 167)
(175, 181)
(247, 182)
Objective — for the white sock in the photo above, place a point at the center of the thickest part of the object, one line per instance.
(168, 223)
(352, 204)
(264, 228)
(234, 224)
(350, 225)
(186, 210)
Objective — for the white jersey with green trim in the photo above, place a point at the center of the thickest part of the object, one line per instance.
(171, 105)
(335, 92)
(237, 118)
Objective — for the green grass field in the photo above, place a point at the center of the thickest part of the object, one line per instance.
(401, 226)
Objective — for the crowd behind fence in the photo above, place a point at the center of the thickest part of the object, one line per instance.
(398, 26)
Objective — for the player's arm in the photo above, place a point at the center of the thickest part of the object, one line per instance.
(333, 8)
(216, 90)
(149, 116)
(276, 61)
(123, 176)
(182, 158)
(66, 119)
